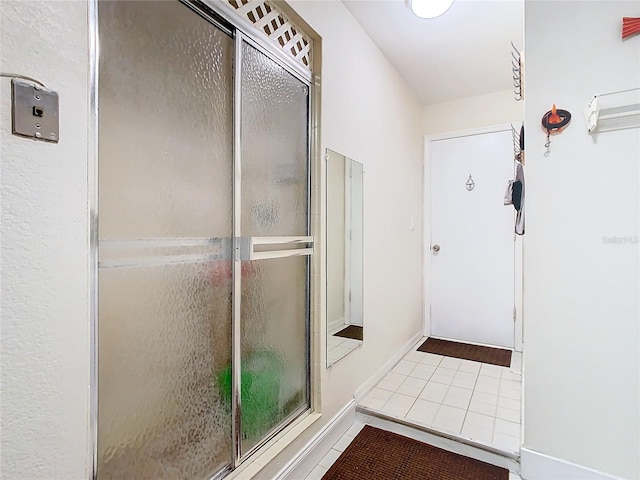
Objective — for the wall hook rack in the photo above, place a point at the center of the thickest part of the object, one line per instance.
(518, 143)
(516, 69)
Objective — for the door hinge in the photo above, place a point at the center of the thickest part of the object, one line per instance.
(514, 314)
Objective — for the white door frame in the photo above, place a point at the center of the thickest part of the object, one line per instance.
(518, 247)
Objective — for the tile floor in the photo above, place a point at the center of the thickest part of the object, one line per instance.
(338, 347)
(469, 400)
(338, 448)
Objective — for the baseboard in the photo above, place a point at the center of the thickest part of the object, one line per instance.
(308, 457)
(538, 466)
(336, 325)
(362, 390)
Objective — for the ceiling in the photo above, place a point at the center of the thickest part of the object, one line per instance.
(463, 53)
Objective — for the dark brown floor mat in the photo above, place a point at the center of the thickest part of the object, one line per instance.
(477, 353)
(380, 455)
(352, 331)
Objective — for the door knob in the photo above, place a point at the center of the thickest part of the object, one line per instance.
(435, 248)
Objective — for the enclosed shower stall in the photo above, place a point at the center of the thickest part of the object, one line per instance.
(202, 241)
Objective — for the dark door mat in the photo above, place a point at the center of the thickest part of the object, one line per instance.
(352, 331)
(477, 353)
(380, 455)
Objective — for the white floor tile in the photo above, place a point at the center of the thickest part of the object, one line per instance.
(431, 359)
(479, 420)
(380, 394)
(443, 375)
(449, 419)
(329, 458)
(511, 376)
(487, 384)
(317, 473)
(391, 381)
(472, 400)
(464, 379)
(507, 428)
(342, 443)
(479, 434)
(400, 400)
(510, 385)
(399, 411)
(423, 412)
(484, 398)
(508, 414)
(491, 370)
(404, 367)
(449, 362)
(457, 397)
(354, 429)
(414, 356)
(412, 386)
(422, 371)
(509, 403)
(434, 392)
(483, 408)
(469, 366)
(512, 394)
(506, 442)
(372, 403)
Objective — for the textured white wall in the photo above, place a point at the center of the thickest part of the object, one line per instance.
(44, 262)
(582, 335)
(371, 116)
(496, 108)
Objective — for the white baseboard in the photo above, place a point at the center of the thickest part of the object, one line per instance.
(538, 466)
(336, 325)
(308, 457)
(362, 390)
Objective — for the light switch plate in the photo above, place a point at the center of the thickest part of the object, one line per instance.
(34, 112)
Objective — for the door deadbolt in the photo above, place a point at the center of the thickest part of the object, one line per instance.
(435, 248)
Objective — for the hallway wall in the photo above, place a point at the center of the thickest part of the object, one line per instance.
(582, 335)
(371, 116)
(497, 108)
(45, 250)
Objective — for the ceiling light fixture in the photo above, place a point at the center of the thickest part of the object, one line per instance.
(429, 8)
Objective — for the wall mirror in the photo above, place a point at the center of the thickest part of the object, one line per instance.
(344, 256)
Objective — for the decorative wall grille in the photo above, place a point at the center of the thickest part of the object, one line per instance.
(265, 16)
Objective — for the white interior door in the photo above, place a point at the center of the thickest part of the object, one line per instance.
(472, 239)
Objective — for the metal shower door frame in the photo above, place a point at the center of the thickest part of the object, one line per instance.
(221, 17)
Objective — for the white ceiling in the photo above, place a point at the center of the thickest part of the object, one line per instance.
(465, 52)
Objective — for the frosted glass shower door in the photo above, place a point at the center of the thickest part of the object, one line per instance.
(275, 227)
(165, 229)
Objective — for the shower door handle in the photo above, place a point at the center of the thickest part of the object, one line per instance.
(264, 248)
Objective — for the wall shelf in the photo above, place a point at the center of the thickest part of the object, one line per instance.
(613, 111)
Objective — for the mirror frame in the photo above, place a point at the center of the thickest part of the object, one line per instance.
(339, 346)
